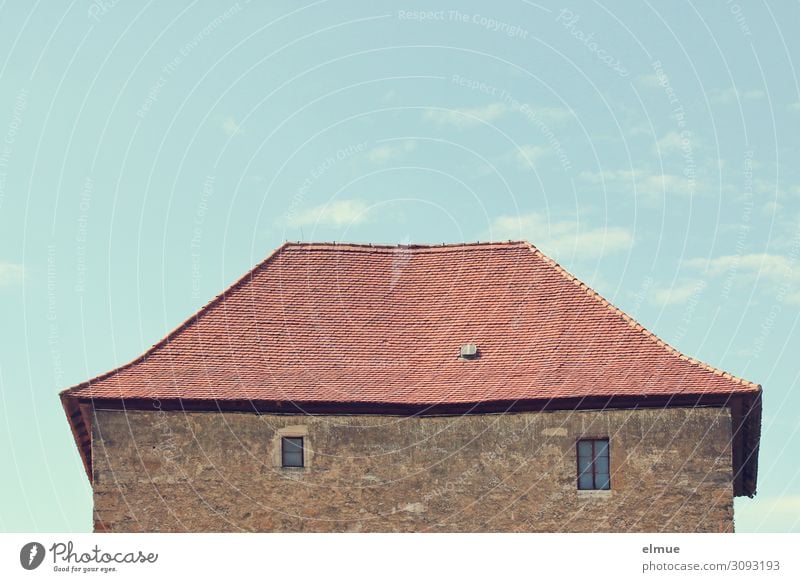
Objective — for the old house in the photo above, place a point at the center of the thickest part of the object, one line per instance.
(471, 387)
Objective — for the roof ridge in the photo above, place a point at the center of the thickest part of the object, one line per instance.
(367, 247)
(635, 324)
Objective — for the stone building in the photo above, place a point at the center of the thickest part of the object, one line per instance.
(472, 387)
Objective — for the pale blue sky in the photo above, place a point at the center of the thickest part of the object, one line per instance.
(151, 153)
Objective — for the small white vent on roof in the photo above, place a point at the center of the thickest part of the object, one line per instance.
(469, 351)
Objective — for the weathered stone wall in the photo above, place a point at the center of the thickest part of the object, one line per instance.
(175, 471)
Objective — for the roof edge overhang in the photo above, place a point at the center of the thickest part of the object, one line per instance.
(746, 440)
(79, 417)
(745, 414)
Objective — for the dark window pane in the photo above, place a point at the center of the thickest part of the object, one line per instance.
(584, 465)
(593, 464)
(292, 451)
(601, 464)
(293, 444)
(601, 449)
(292, 459)
(585, 481)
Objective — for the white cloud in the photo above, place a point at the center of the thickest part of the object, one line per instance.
(677, 293)
(549, 114)
(468, 116)
(529, 154)
(754, 94)
(230, 127)
(676, 143)
(562, 239)
(651, 81)
(763, 264)
(733, 95)
(608, 176)
(389, 152)
(471, 116)
(718, 96)
(391, 96)
(338, 213)
(11, 274)
(670, 143)
(795, 107)
(649, 184)
(658, 184)
(781, 273)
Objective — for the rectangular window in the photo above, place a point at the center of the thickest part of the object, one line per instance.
(593, 465)
(292, 451)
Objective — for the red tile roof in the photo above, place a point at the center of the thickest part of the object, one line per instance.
(351, 323)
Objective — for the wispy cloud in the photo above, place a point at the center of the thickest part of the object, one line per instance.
(677, 143)
(733, 95)
(677, 294)
(650, 81)
(391, 96)
(754, 94)
(763, 264)
(781, 273)
(471, 116)
(390, 152)
(717, 96)
(670, 143)
(649, 184)
(529, 154)
(561, 239)
(338, 213)
(231, 127)
(468, 116)
(11, 274)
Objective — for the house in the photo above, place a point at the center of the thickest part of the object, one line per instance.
(468, 387)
